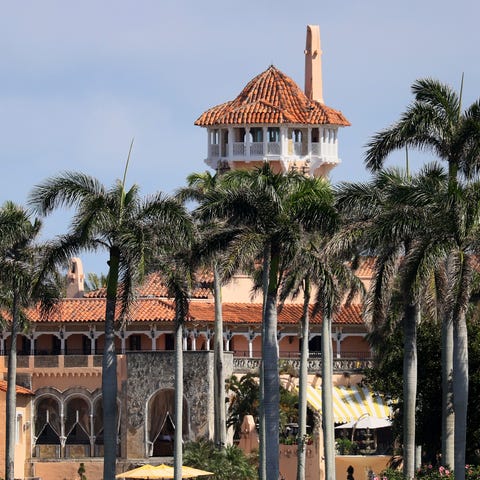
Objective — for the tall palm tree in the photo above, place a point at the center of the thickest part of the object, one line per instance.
(269, 210)
(435, 122)
(383, 220)
(22, 284)
(451, 239)
(198, 185)
(178, 272)
(331, 278)
(130, 229)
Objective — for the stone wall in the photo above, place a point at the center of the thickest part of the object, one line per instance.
(149, 372)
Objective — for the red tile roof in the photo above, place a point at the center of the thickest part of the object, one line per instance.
(366, 268)
(83, 310)
(272, 98)
(245, 313)
(19, 389)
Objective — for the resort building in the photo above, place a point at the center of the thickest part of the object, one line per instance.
(59, 409)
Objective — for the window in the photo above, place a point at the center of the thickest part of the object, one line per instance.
(135, 342)
(169, 341)
(256, 134)
(273, 134)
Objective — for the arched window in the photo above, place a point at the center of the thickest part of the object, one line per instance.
(77, 422)
(98, 427)
(47, 421)
(161, 423)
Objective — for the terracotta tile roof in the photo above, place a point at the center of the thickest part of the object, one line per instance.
(153, 286)
(19, 389)
(366, 268)
(271, 98)
(83, 310)
(245, 313)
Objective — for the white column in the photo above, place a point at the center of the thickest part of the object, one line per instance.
(209, 141)
(230, 142)
(62, 341)
(339, 338)
(251, 337)
(265, 146)
(185, 337)
(92, 341)
(33, 337)
(283, 141)
(153, 336)
(247, 142)
(228, 336)
(309, 142)
(122, 339)
(208, 337)
(194, 339)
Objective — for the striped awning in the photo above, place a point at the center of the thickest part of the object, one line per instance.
(350, 403)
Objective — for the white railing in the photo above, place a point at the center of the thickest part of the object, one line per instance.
(244, 365)
(273, 148)
(238, 149)
(297, 148)
(256, 148)
(316, 149)
(215, 151)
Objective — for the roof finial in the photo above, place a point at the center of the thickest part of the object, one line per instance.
(313, 65)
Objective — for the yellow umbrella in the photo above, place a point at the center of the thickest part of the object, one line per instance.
(190, 472)
(162, 471)
(145, 471)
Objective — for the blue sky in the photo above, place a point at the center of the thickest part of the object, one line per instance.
(79, 80)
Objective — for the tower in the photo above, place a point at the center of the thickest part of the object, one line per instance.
(273, 120)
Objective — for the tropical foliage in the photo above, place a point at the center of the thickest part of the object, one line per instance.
(130, 229)
(227, 464)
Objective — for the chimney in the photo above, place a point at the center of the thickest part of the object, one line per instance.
(313, 65)
(75, 279)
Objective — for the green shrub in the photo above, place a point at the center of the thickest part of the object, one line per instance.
(229, 463)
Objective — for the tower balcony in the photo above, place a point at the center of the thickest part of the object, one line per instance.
(312, 150)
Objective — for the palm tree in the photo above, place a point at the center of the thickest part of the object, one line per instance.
(130, 229)
(451, 239)
(383, 219)
(269, 210)
(332, 279)
(178, 274)
(22, 284)
(198, 186)
(435, 122)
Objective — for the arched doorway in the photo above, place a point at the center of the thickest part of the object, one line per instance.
(161, 423)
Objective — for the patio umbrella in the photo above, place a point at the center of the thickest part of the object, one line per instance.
(161, 471)
(145, 471)
(367, 422)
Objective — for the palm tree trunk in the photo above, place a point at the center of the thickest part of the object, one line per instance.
(460, 392)
(178, 437)
(411, 316)
(448, 413)
(271, 380)
(302, 388)
(11, 407)
(262, 464)
(327, 399)
(109, 372)
(220, 434)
